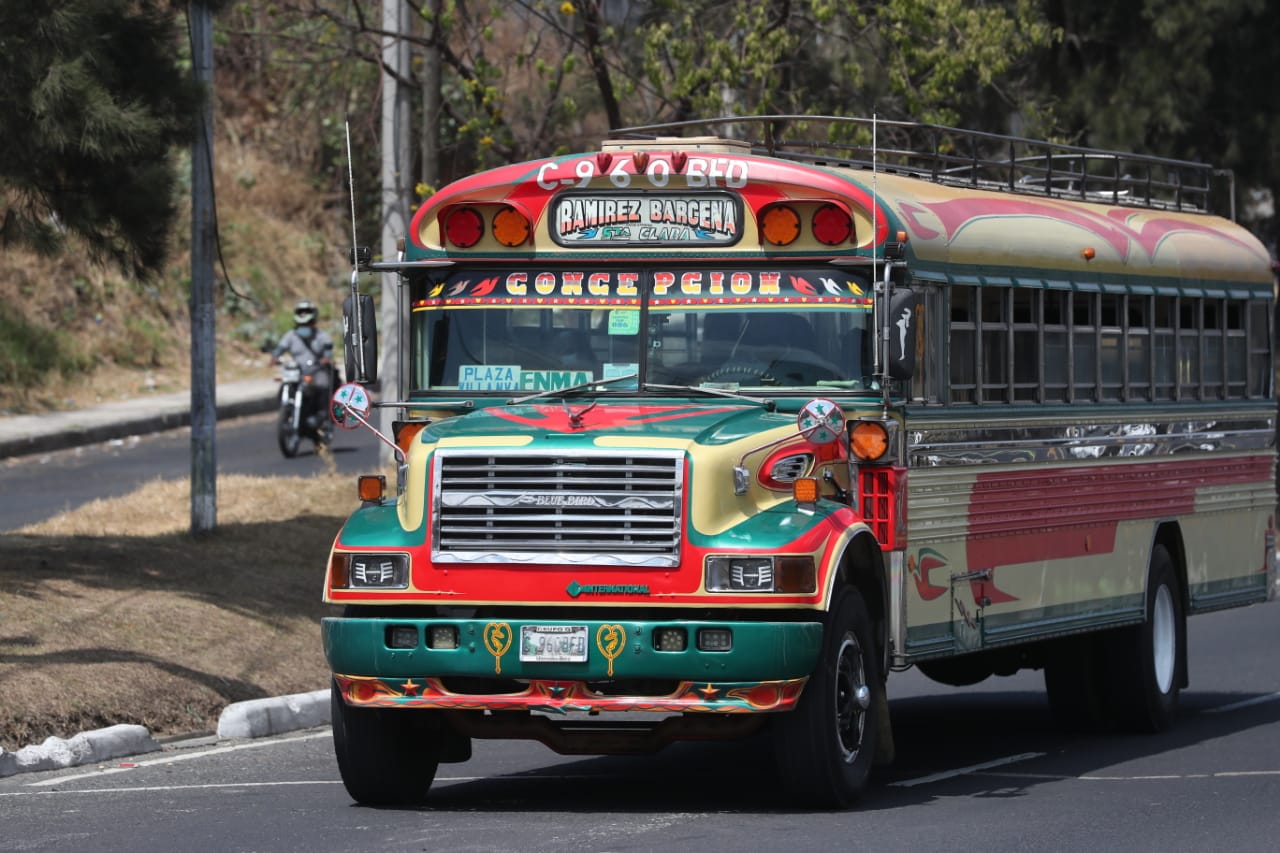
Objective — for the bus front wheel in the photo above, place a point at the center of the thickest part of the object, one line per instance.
(826, 746)
(385, 756)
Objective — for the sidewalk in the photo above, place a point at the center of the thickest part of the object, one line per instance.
(25, 434)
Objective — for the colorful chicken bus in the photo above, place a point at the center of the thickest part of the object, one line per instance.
(704, 435)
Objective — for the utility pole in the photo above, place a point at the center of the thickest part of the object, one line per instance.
(431, 101)
(204, 467)
(395, 198)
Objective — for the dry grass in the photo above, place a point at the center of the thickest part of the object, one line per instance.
(114, 614)
(119, 338)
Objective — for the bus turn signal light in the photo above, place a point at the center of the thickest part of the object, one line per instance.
(371, 487)
(780, 225)
(805, 490)
(868, 440)
(510, 227)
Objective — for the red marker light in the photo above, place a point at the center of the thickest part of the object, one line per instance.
(464, 227)
(832, 226)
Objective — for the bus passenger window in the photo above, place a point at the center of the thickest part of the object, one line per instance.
(963, 346)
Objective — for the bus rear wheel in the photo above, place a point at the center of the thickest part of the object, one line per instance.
(1147, 659)
(826, 746)
(385, 756)
(1128, 678)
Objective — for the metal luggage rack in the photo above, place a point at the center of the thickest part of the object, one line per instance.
(970, 158)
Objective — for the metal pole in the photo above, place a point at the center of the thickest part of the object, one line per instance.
(395, 199)
(204, 468)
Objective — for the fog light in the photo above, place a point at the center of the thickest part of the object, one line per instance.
(402, 637)
(442, 637)
(670, 639)
(715, 639)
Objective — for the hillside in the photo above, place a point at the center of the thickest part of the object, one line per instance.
(74, 333)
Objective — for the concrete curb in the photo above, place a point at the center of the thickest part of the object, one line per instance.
(262, 717)
(251, 719)
(85, 748)
(26, 434)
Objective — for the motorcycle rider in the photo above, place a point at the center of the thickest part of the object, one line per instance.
(312, 349)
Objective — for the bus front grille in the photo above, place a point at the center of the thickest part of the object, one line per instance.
(615, 509)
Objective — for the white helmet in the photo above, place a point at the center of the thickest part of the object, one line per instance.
(305, 313)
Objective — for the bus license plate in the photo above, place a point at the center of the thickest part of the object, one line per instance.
(553, 643)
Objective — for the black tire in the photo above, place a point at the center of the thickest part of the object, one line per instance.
(286, 435)
(1147, 660)
(1075, 680)
(386, 756)
(826, 746)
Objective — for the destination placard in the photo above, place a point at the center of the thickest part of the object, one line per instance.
(591, 219)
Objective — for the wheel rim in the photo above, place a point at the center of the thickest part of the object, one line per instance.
(1163, 640)
(852, 698)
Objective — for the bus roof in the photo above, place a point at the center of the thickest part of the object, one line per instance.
(1045, 215)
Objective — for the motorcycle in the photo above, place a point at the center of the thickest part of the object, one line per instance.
(302, 414)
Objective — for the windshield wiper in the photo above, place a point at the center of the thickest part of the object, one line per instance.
(769, 405)
(570, 389)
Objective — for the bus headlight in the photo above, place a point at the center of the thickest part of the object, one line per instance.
(755, 573)
(370, 571)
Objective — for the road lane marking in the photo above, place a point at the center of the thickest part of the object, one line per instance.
(173, 758)
(134, 789)
(1244, 703)
(965, 771)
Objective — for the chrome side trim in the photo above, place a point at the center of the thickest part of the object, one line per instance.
(1003, 441)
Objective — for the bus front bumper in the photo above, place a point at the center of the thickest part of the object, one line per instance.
(631, 665)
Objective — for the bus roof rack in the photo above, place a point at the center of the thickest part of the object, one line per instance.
(971, 158)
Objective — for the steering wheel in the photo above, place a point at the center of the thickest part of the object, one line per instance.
(735, 370)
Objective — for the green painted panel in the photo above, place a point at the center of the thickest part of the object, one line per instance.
(761, 651)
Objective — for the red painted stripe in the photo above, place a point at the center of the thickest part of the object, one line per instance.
(1060, 513)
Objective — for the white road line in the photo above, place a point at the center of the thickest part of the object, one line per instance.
(153, 788)
(965, 771)
(173, 758)
(1245, 703)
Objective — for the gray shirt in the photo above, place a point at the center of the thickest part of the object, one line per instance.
(305, 352)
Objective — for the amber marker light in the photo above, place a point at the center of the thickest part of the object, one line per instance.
(780, 226)
(869, 440)
(406, 432)
(339, 571)
(805, 490)
(463, 227)
(1088, 253)
(510, 227)
(371, 487)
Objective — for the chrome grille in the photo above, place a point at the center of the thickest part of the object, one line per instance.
(619, 509)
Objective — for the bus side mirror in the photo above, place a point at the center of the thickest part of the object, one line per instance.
(904, 316)
(360, 339)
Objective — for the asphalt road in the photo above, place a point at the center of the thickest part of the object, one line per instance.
(36, 487)
(979, 768)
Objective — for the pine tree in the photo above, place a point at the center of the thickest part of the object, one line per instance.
(94, 101)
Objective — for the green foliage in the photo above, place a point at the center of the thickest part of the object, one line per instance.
(1186, 79)
(29, 353)
(92, 104)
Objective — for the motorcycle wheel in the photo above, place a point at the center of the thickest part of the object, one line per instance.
(286, 435)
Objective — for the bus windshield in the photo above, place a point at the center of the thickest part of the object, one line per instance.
(737, 329)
